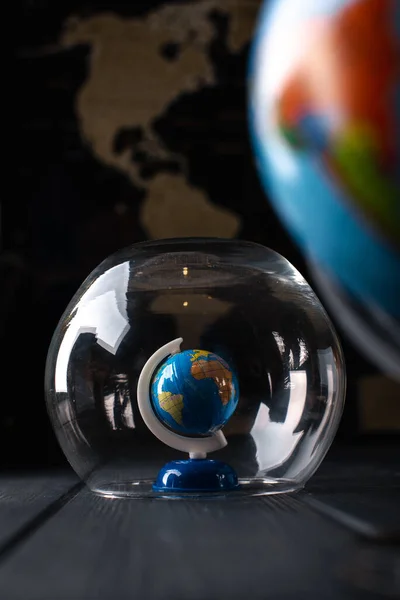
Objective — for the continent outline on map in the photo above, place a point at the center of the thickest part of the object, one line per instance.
(118, 95)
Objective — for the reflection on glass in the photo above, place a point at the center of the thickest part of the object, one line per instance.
(101, 311)
(275, 442)
(117, 403)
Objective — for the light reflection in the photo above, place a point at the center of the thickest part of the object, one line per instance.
(279, 341)
(275, 442)
(101, 311)
(168, 473)
(117, 404)
(167, 373)
(271, 389)
(109, 408)
(303, 352)
(67, 419)
(298, 278)
(329, 380)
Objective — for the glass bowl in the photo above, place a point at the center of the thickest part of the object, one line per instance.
(239, 300)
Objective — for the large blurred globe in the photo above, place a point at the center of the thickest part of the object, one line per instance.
(194, 392)
(325, 122)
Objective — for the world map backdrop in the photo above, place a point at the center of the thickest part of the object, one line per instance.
(129, 123)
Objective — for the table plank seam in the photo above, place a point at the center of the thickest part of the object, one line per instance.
(28, 529)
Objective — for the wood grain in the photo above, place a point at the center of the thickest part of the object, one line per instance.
(97, 548)
(26, 497)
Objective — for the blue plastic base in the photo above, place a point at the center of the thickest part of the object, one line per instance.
(196, 475)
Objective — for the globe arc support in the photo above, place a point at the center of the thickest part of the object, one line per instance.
(196, 447)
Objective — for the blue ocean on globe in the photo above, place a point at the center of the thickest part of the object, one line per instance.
(194, 392)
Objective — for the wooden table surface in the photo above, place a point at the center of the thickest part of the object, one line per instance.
(338, 539)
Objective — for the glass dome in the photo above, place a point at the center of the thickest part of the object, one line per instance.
(241, 301)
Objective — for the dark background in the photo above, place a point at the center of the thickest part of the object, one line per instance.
(61, 217)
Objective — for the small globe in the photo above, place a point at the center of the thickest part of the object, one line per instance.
(194, 392)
